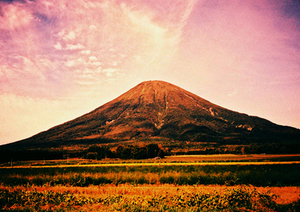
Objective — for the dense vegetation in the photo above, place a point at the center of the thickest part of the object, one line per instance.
(147, 149)
(238, 199)
(191, 148)
(125, 152)
(93, 188)
(93, 152)
(262, 175)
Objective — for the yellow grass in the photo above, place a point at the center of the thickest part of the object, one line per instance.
(218, 159)
(226, 157)
(160, 163)
(285, 194)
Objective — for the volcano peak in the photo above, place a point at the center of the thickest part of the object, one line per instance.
(160, 109)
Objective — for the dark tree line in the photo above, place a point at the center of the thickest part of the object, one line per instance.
(144, 152)
(93, 152)
(7, 155)
(125, 152)
(98, 152)
(136, 152)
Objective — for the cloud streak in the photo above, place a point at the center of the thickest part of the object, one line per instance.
(236, 54)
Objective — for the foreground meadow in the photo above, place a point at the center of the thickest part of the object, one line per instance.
(149, 198)
(150, 187)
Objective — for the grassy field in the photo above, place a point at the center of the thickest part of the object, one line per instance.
(149, 198)
(169, 160)
(180, 183)
(262, 175)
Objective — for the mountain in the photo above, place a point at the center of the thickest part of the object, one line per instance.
(157, 109)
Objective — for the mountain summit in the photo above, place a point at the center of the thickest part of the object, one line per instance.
(160, 109)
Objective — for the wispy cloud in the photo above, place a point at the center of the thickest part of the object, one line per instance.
(66, 31)
(14, 16)
(228, 51)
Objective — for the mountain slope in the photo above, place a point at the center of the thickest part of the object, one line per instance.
(160, 109)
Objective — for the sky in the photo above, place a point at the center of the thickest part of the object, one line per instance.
(60, 59)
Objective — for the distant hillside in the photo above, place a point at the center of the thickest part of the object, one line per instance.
(157, 109)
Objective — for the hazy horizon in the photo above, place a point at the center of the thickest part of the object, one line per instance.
(62, 59)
